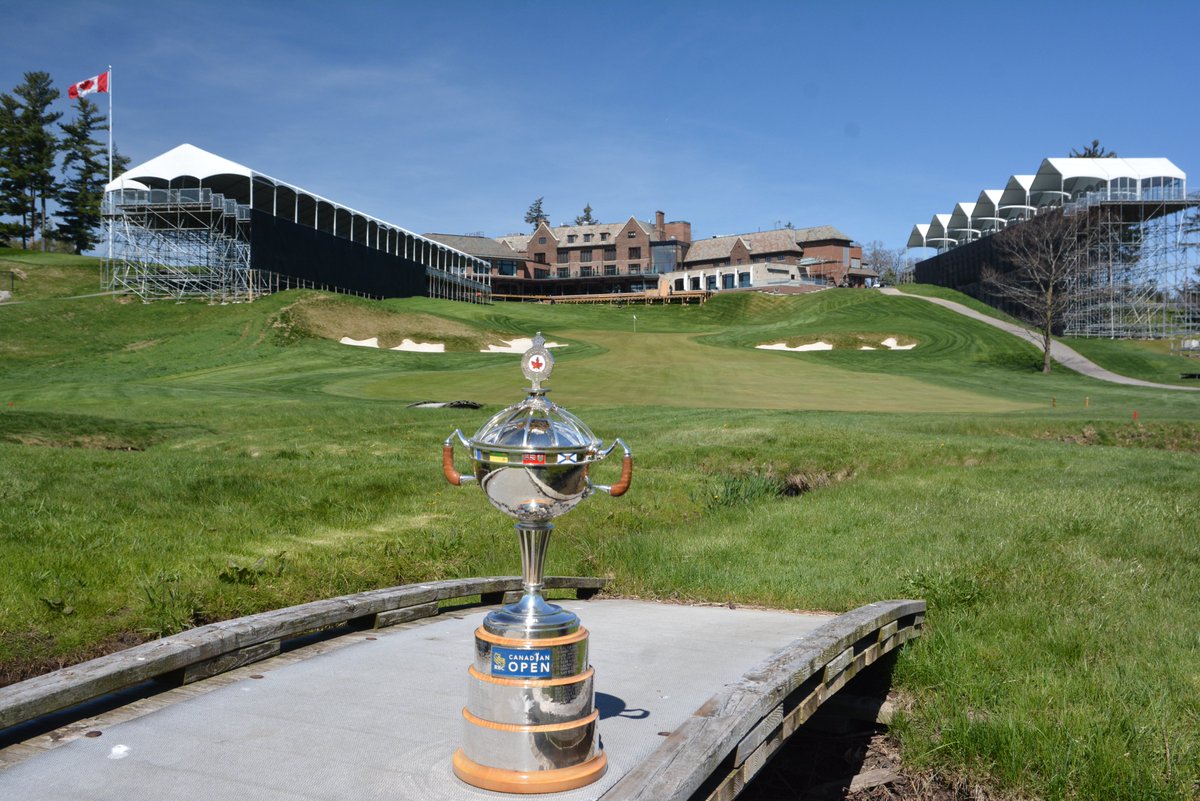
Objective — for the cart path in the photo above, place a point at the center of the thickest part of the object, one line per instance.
(1067, 357)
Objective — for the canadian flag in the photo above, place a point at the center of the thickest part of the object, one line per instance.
(97, 84)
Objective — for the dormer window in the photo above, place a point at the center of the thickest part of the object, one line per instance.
(587, 237)
(571, 238)
(603, 237)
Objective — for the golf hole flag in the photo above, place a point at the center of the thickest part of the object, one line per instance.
(97, 84)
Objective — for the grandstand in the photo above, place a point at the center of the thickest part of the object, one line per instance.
(1141, 284)
(189, 223)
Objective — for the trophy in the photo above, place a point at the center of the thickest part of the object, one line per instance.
(530, 715)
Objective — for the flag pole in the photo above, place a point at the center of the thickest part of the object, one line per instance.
(110, 125)
(110, 163)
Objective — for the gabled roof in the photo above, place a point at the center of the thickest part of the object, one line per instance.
(780, 240)
(916, 239)
(987, 203)
(184, 160)
(481, 246)
(518, 242)
(561, 232)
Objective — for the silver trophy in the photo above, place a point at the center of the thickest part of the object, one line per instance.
(530, 714)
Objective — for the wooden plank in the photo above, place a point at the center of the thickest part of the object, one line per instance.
(409, 613)
(723, 725)
(208, 644)
(230, 661)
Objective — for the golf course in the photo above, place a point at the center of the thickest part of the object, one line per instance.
(165, 465)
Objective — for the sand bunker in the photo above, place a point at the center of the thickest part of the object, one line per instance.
(784, 346)
(510, 345)
(891, 343)
(517, 346)
(407, 344)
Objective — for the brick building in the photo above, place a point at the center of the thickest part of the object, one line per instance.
(602, 258)
(660, 258)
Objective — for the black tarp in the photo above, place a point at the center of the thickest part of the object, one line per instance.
(282, 246)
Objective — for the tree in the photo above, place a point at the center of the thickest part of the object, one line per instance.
(534, 216)
(38, 146)
(1046, 255)
(586, 218)
(13, 200)
(85, 171)
(1092, 151)
(886, 262)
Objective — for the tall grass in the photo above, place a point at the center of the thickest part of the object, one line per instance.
(165, 465)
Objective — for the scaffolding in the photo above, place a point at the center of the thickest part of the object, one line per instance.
(1142, 268)
(177, 243)
(183, 224)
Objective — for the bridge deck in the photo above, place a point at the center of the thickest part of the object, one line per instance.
(688, 696)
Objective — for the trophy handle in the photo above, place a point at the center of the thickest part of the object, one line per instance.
(622, 485)
(453, 476)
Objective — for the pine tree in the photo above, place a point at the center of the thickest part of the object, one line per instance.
(85, 171)
(31, 148)
(534, 216)
(1093, 151)
(14, 202)
(586, 218)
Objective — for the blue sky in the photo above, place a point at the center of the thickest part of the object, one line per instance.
(453, 116)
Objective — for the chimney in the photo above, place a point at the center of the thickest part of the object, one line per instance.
(660, 225)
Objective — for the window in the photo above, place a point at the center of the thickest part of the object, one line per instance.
(610, 269)
(540, 258)
(587, 237)
(634, 269)
(727, 281)
(585, 272)
(564, 272)
(603, 237)
(571, 238)
(541, 240)
(564, 255)
(678, 284)
(710, 283)
(743, 280)
(610, 254)
(635, 253)
(585, 255)
(695, 283)
(541, 273)
(633, 234)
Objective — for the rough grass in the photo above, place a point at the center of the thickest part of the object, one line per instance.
(165, 465)
(37, 275)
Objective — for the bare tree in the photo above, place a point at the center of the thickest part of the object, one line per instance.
(883, 261)
(1045, 257)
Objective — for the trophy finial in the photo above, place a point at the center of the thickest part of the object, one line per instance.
(537, 363)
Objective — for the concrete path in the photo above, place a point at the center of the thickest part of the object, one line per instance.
(1067, 357)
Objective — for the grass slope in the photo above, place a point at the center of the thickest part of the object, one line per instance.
(164, 465)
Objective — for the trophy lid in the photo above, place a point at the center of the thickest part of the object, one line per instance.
(536, 423)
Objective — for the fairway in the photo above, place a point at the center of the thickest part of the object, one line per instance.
(165, 465)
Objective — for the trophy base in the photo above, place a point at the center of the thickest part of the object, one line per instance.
(539, 781)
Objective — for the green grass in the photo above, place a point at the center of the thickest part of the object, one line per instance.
(163, 465)
(48, 275)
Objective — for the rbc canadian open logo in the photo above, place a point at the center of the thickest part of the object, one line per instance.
(521, 662)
